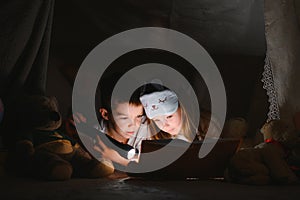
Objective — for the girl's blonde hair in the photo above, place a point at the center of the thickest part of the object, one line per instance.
(188, 129)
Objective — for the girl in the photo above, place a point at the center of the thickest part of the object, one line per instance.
(161, 105)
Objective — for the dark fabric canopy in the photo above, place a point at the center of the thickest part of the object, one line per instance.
(24, 40)
(24, 51)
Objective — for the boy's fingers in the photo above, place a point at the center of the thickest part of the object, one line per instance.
(81, 117)
(76, 119)
(97, 148)
(100, 142)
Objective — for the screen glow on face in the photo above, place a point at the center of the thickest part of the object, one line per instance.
(128, 119)
(169, 123)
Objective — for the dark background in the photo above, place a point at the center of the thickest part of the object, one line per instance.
(232, 32)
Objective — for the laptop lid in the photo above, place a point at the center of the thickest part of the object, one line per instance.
(189, 165)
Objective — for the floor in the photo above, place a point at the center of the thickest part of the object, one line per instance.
(120, 187)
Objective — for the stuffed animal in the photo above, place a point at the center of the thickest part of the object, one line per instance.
(268, 162)
(237, 127)
(44, 150)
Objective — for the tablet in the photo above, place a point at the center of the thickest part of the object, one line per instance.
(189, 165)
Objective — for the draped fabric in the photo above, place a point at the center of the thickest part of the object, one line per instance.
(230, 27)
(24, 45)
(24, 50)
(282, 29)
(231, 31)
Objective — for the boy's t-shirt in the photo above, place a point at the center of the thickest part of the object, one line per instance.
(142, 134)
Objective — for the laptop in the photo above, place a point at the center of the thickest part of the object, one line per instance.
(189, 165)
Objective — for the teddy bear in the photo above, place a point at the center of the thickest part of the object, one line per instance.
(43, 150)
(237, 127)
(269, 161)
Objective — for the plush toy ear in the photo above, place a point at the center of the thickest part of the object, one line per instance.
(104, 113)
(54, 100)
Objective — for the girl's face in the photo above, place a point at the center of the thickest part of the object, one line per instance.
(169, 123)
(127, 118)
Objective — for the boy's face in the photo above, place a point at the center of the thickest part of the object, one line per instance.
(127, 118)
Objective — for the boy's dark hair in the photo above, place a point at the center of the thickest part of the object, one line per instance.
(105, 89)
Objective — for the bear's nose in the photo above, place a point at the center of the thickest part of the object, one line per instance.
(54, 116)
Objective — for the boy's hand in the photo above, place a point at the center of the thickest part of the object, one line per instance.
(78, 118)
(109, 153)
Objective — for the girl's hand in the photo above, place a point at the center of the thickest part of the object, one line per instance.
(109, 153)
